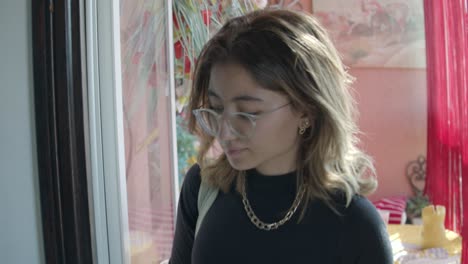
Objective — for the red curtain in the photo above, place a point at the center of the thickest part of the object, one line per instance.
(447, 81)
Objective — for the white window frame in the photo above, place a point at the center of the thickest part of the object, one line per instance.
(106, 158)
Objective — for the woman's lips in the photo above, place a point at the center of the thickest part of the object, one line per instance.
(234, 152)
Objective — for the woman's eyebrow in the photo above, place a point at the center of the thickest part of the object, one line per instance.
(247, 98)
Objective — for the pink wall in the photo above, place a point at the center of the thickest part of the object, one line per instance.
(392, 105)
(393, 118)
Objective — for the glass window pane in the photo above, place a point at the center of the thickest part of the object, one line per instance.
(147, 116)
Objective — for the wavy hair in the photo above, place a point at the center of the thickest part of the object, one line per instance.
(289, 52)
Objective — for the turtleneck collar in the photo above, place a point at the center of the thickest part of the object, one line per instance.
(259, 181)
(255, 173)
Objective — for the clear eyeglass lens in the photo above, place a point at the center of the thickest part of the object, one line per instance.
(209, 122)
(241, 125)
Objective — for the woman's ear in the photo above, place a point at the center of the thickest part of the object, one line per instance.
(305, 123)
(306, 120)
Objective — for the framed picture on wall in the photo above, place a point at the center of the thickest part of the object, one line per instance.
(375, 33)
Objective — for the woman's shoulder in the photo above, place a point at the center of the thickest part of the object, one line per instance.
(359, 209)
(363, 221)
(362, 210)
(358, 214)
(366, 231)
(193, 173)
(192, 180)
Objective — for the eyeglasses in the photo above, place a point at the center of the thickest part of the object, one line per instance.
(240, 124)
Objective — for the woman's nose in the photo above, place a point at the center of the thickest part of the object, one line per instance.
(225, 132)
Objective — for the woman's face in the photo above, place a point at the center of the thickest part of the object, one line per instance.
(272, 147)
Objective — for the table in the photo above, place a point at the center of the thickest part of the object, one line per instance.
(406, 243)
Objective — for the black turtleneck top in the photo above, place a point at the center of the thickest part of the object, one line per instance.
(227, 235)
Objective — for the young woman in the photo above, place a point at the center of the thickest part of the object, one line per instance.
(270, 88)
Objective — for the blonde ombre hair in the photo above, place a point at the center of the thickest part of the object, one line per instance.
(290, 53)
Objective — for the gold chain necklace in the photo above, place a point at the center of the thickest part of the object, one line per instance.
(271, 226)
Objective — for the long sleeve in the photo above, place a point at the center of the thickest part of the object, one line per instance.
(187, 213)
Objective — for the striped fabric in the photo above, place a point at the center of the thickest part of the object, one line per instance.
(156, 222)
(396, 206)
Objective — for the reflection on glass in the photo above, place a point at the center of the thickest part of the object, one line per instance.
(193, 25)
(145, 80)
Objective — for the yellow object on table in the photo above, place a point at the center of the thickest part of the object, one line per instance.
(407, 239)
(433, 229)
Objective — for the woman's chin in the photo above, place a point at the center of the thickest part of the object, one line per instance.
(240, 164)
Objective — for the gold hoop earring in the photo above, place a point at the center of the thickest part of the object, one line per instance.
(302, 130)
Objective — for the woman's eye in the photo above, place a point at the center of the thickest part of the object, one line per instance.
(251, 112)
(217, 109)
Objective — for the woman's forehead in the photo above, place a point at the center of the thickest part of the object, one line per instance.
(231, 82)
